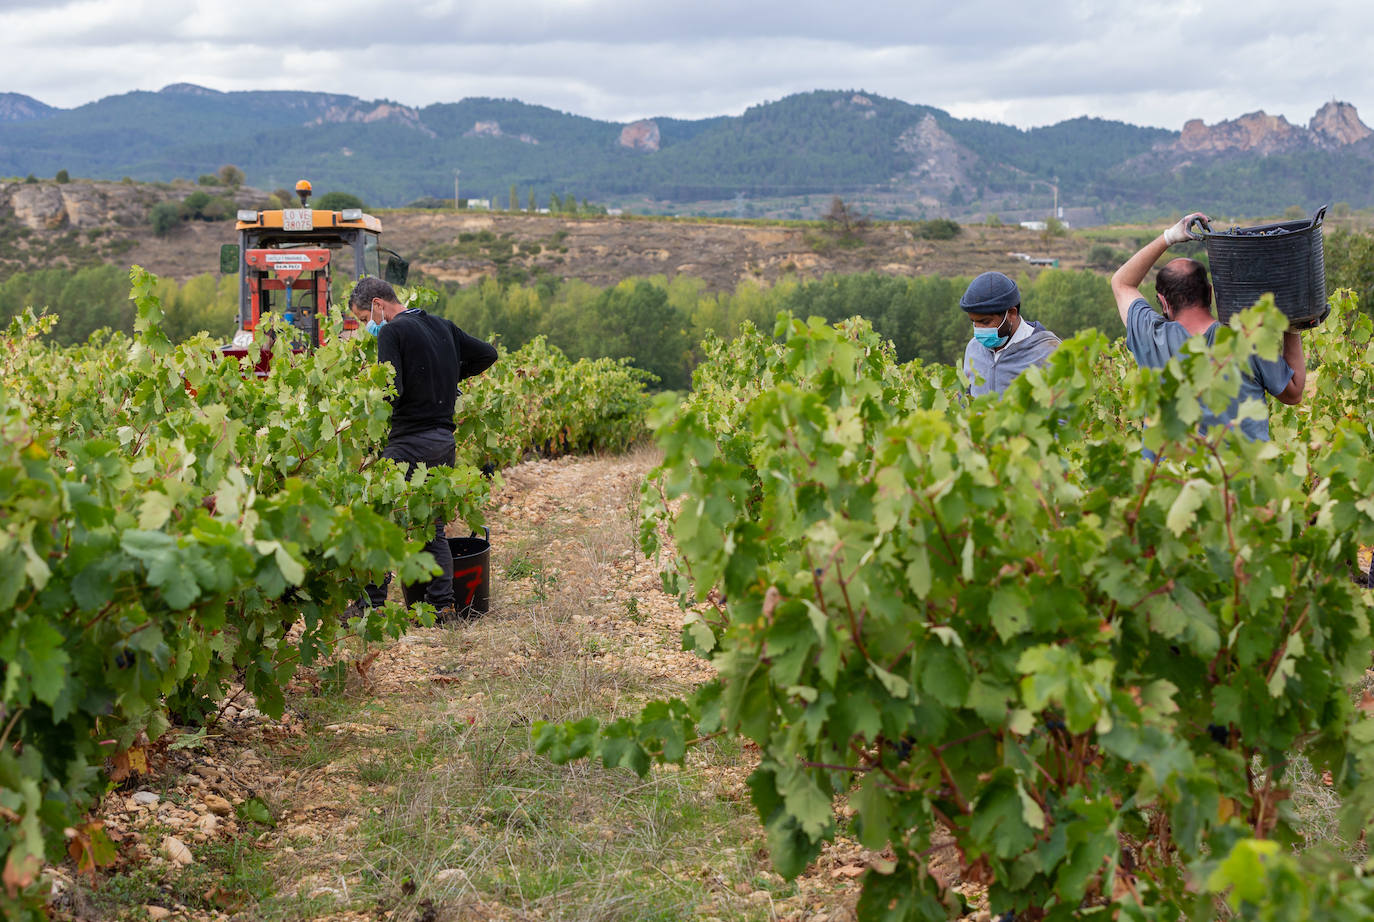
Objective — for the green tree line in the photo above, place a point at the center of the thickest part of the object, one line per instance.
(656, 323)
(97, 297)
(660, 323)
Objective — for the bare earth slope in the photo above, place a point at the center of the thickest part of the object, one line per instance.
(86, 223)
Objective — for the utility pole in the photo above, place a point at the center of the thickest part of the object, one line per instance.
(455, 189)
(1054, 213)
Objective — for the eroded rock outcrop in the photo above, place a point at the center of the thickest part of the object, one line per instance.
(493, 130)
(381, 112)
(940, 163)
(1255, 132)
(640, 135)
(1338, 124)
(858, 103)
(39, 207)
(84, 204)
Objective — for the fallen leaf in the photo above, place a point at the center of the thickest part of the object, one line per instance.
(364, 665)
(20, 870)
(91, 848)
(132, 761)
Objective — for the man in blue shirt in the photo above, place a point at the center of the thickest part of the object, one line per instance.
(1004, 343)
(1185, 302)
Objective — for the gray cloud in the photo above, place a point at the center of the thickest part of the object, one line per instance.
(1149, 63)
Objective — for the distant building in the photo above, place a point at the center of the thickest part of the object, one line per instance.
(614, 212)
(1035, 225)
(480, 204)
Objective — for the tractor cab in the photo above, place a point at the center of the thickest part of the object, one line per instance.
(293, 262)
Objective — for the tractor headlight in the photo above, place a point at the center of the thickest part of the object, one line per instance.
(248, 217)
(351, 214)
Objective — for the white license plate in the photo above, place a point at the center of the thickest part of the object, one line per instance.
(298, 219)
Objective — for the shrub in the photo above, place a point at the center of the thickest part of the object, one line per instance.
(163, 217)
(196, 202)
(1103, 256)
(62, 176)
(938, 229)
(337, 201)
(220, 208)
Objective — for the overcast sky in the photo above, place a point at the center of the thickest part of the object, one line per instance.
(1024, 63)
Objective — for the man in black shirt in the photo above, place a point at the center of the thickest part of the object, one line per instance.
(430, 355)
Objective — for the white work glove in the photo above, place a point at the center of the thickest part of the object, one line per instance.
(1178, 233)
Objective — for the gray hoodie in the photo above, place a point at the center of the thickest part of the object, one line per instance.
(998, 369)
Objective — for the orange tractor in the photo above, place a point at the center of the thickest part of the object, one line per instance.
(286, 259)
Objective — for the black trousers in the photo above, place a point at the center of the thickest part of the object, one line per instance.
(433, 449)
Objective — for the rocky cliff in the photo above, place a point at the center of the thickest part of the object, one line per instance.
(640, 135)
(1336, 124)
(83, 205)
(1256, 132)
(380, 112)
(940, 163)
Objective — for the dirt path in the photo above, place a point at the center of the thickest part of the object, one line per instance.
(407, 790)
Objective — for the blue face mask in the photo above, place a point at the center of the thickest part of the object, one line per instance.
(372, 326)
(992, 337)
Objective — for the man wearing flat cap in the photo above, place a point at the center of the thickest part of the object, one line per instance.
(1004, 343)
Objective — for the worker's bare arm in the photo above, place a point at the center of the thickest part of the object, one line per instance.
(1127, 280)
(1293, 355)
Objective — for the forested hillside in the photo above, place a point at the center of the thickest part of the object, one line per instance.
(781, 158)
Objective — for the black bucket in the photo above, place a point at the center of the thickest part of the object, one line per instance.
(471, 574)
(1284, 259)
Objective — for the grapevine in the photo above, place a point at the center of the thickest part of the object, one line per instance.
(1002, 630)
(169, 526)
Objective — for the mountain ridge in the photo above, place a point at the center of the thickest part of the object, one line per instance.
(897, 159)
(16, 107)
